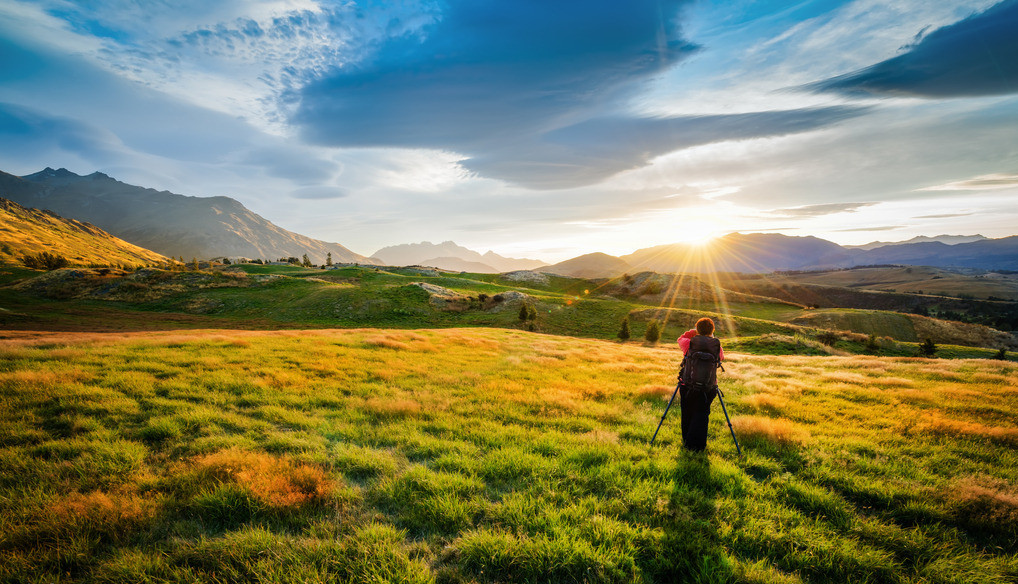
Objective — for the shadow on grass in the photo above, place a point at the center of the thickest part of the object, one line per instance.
(691, 549)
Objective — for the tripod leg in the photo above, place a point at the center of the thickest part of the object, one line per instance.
(664, 414)
(721, 398)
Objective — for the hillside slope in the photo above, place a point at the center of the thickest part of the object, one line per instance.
(915, 280)
(170, 224)
(591, 265)
(29, 231)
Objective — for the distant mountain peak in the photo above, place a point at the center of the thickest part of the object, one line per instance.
(49, 172)
(451, 256)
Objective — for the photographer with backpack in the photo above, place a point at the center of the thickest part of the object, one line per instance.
(698, 382)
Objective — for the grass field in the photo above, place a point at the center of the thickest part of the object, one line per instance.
(277, 297)
(484, 455)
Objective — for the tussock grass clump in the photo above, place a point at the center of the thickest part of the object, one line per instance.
(277, 482)
(766, 401)
(655, 392)
(776, 431)
(392, 407)
(991, 505)
(936, 423)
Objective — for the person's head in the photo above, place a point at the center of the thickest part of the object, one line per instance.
(705, 326)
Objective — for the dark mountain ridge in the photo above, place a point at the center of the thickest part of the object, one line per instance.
(165, 222)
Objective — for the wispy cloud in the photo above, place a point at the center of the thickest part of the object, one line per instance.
(944, 216)
(986, 182)
(818, 210)
(863, 229)
(319, 193)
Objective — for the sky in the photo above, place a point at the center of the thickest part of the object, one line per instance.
(533, 128)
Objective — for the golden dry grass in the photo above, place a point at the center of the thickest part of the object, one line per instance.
(936, 423)
(275, 481)
(119, 508)
(765, 401)
(778, 431)
(392, 407)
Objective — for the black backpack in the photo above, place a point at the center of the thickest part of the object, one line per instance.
(700, 365)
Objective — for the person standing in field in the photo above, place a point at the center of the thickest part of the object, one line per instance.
(698, 385)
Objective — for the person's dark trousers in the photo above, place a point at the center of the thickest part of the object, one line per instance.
(695, 406)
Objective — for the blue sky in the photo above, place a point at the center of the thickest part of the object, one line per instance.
(533, 128)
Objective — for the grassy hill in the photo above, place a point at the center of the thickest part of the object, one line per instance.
(29, 231)
(254, 296)
(482, 455)
(916, 279)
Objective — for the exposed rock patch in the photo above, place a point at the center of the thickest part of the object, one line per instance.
(527, 276)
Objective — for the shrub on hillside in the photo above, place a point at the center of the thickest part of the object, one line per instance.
(624, 332)
(653, 333)
(44, 260)
(828, 338)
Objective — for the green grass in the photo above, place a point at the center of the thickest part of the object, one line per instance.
(276, 297)
(481, 455)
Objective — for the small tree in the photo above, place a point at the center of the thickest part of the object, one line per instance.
(306, 262)
(524, 313)
(653, 333)
(328, 259)
(871, 343)
(194, 264)
(624, 333)
(1001, 355)
(531, 312)
(928, 349)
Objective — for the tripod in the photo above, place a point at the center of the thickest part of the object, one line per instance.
(721, 398)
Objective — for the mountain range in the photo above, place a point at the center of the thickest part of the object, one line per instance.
(769, 252)
(164, 222)
(206, 227)
(449, 256)
(948, 239)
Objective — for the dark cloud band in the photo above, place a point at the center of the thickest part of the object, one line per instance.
(973, 57)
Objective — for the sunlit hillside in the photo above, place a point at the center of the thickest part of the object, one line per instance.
(265, 297)
(26, 231)
(480, 455)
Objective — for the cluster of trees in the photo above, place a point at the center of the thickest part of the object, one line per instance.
(44, 260)
(651, 335)
(305, 261)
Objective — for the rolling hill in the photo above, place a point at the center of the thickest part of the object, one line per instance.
(591, 265)
(30, 231)
(167, 223)
(914, 279)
